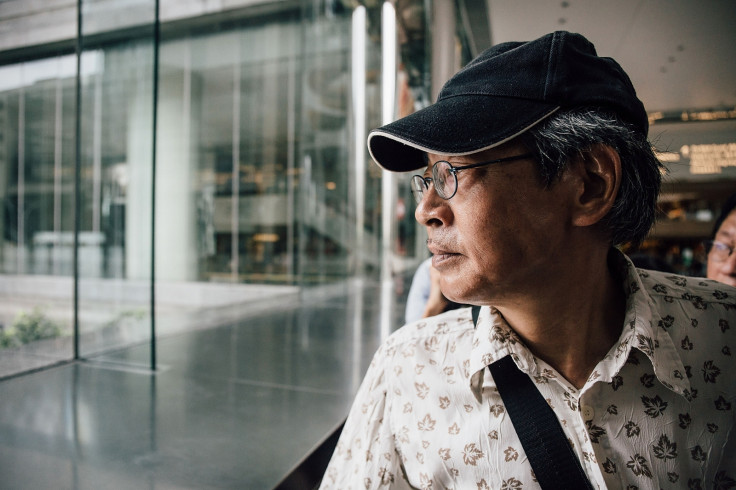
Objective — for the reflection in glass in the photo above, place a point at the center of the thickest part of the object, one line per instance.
(36, 225)
(262, 179)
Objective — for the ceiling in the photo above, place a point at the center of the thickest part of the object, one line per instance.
(680, 54)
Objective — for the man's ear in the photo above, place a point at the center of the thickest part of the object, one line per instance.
(599, 172)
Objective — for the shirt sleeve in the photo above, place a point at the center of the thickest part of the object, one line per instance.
(366, 455)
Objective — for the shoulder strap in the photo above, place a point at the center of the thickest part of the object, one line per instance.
(554, 463)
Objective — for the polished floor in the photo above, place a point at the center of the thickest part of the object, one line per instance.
(235, 406)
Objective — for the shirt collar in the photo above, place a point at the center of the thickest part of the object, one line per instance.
(494, 338)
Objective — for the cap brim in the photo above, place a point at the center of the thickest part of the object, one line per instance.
(453, 126)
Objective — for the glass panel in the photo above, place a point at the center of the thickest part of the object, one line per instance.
(116, 179)
(326, 211)
(36, 192)
(225, 171)
(265, 149)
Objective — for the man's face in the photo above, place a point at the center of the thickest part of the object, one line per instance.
(502, 232)
(725, 270)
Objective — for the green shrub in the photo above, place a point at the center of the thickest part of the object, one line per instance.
(29, 327)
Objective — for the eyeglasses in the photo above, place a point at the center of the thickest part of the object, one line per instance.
(718, 251)
(444, 177)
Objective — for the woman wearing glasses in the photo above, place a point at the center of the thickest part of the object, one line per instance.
(721, 259)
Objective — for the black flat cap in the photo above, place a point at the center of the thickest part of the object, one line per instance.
(502, 93)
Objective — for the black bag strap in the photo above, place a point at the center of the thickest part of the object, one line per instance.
(554, 463)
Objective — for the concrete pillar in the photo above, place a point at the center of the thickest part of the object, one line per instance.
(176, 257)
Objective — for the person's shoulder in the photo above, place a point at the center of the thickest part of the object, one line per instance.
(697, 290)
(444, 326)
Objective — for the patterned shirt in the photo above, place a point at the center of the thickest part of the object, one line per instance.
(658, 411)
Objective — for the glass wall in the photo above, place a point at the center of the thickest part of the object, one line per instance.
(75, 268)
(37, 114)
(115, 195)
(260, 185)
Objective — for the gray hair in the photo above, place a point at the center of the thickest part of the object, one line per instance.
(570, 132)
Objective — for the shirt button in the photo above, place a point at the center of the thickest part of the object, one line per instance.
(588, 412)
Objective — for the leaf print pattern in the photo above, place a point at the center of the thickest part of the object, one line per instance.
(385, 476)
(690, 395)
(697, 453)
(722, 404)
(428, 415)
(422, 390)
(647, 380)
(471, 454)
(511, 483)
(646, 344)
(511, 454)
(595, 432)
(572, 403)
(694, 484)
(431, 345)
(678, 280)
(710, 372)
(665, 449)
(666, 322)
(720, 294)
(497, 410)
(722, 481)
(654, 407)
(425, 482)
(639, 466)
(686, 344)
(426, 424)
(632, 430)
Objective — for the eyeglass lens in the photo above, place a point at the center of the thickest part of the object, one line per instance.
(445, 182)
(443, 178)
(418, 186)
(720, 251)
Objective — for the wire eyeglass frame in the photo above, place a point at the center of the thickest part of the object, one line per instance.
(420, 184)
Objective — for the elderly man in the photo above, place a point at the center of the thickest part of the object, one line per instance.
(535, 165)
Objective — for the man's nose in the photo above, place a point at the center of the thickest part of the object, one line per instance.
(432, 210)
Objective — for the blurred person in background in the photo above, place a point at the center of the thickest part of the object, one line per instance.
(425, 297)
(721, 259)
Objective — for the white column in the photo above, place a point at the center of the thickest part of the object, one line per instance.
(359, 127)
(176, 258)
(388, 182)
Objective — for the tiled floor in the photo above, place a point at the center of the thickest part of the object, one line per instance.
(230, 407)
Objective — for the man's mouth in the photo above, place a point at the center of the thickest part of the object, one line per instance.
(440, 254)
